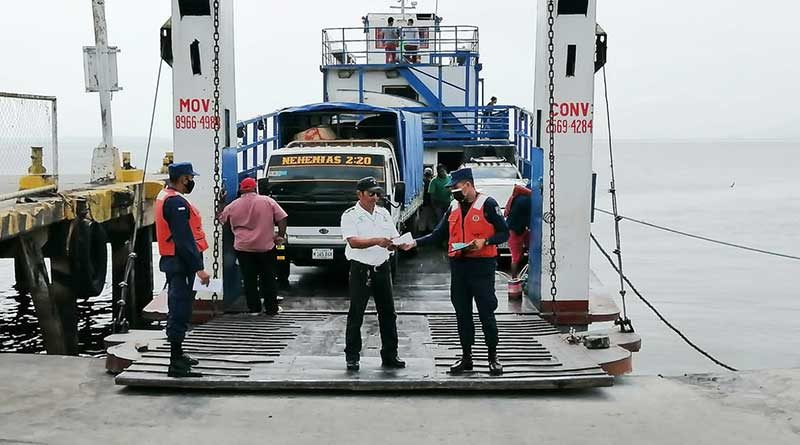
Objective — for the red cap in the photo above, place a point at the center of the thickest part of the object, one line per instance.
(247, 184)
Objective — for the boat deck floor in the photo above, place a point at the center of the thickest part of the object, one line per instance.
(302, 347)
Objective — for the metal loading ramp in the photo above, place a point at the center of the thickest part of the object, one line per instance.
(303, 350)
(303, 346)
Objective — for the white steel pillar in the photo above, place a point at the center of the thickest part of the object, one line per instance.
(571, 121)
(193, 98)
(105, 158)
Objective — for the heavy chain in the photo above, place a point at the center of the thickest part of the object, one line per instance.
(217, 176)
(551, 220)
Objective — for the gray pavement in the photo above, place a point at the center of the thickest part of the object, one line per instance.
(70, 400)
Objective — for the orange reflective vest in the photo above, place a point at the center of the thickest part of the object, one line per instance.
(473, 226)
(166, 246)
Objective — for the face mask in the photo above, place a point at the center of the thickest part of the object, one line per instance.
(189, 186)
(458, 195)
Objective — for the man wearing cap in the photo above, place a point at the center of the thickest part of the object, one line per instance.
(475, 220)
(368, 230)
(253, 219)
(181, 242)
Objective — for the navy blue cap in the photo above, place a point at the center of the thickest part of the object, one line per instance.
(179, 169)
(368, 184)
(462, 174)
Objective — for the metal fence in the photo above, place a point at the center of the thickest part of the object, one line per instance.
(28, 145)
(443, 45)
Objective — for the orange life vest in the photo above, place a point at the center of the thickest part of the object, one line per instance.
(166, 246)
(474, 226)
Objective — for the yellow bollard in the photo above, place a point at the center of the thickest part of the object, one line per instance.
(128, 172)
(36, 176)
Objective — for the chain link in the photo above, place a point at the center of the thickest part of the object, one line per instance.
(217, 176)
(551, 156)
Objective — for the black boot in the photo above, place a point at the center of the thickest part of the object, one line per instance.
(178, 365)
(393, 362)
(463, 364)
(190, 360)
(495, 368)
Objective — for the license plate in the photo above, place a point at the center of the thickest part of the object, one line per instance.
(322, 254)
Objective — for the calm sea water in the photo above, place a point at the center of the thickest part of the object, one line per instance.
(743, 307)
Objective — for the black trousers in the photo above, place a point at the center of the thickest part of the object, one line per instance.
(364, 280)
(258, 274)
(473, 278)
(180, 297)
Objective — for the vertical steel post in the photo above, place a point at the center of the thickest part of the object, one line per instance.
(104, 159)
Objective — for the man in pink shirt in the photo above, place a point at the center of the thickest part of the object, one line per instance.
(253, 218)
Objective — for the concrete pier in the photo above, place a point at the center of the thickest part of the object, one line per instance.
(68, 400)
(51, 226)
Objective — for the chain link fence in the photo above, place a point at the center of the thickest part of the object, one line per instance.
(28, 145)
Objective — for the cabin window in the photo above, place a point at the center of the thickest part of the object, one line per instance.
(402, 91)
(194, 7)
(571, 60)
(573, 7)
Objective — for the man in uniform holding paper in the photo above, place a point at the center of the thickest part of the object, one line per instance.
(181, 242)
(475, 226)
(369, 230)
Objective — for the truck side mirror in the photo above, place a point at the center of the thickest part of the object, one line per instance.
(399, 192)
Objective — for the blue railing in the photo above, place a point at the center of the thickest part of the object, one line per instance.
(256, 139)
(455, 125)
(444, 126)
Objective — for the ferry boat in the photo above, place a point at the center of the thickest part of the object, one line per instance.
(423, 85)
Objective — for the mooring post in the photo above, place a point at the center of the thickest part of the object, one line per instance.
(55, 307)
(119, 260)
(142, 291)
(22, 283)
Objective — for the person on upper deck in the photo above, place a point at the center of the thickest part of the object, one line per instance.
(391, 35)
(410, 42)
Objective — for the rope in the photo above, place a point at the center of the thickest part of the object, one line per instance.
(655, 311)
(120, 319)
(711, 240)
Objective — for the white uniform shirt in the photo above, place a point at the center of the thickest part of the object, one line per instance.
(357, 222)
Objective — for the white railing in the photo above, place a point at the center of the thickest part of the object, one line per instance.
(445, 45)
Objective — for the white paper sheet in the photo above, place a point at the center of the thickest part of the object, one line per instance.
(406, 238)
(214, 285)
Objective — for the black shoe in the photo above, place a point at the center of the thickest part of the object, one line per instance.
(463, 364)
(181, 369)
(352, 365)
(495, 368)
(393, 362)
(190, 360)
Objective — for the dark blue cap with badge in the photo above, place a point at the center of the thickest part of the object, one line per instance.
(368, 184)
(179, 169)
(463, 174)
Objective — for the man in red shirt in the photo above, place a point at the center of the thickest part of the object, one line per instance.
(253, 218)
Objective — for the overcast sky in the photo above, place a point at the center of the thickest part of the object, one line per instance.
(677, 69)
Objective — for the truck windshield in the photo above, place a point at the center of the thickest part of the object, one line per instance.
(321, 177)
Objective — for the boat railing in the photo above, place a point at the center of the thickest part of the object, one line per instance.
(442, 45)
(257, 137)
